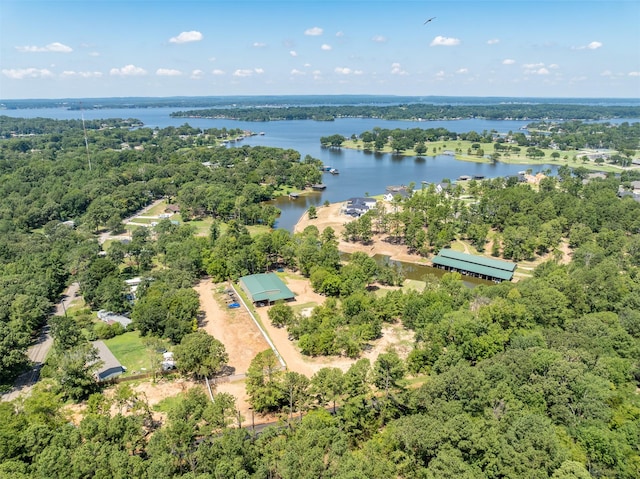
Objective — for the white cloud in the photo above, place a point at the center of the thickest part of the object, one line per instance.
(462, 71)
(21, 73)
(196, 74)
(325, 47)
(72, 74)
(217, 72)
(537, 68)
(259, 45)
(56, 47)
(634, 74)
(493, 41)
(339, 34)
(243, 73)
(590, 46)
(606, 73)
(296, 72)
(94, 54)
(440, 75)
(186, 37)
(441, 41)
(508, 61)
(314, 32)
(379, 39)
(347, 71)
(293, 53)
(168, 72)
(128, 70)
(397, 70)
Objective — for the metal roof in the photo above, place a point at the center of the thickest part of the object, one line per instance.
(472, 268)
(479, 260)
(110, 366)
(265, 287)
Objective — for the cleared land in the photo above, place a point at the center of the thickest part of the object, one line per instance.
(243, 340)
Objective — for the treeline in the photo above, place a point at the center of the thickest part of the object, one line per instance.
(419, 111)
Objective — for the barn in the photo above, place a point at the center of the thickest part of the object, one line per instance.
(265, 287)
(473, 265)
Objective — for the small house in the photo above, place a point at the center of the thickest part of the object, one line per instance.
(110, 367)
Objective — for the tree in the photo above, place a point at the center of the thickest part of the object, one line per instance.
(73, 370)
(295, 386)
(312, 212)
(263, 382)
(388, 371)
(280, 314)
(327, 385)
(200, 355)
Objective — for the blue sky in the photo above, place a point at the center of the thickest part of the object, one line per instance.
(544, 48)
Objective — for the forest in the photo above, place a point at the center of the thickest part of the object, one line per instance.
(536, 378)
(418, 111)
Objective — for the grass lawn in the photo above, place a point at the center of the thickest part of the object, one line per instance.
(157, 209)
(129, 349)
(413, 284)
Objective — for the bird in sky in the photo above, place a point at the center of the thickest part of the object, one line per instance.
(428, 20)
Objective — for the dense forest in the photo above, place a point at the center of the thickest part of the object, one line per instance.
(419, 111)
(536, 378)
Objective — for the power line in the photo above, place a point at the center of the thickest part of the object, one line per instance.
(86, 142)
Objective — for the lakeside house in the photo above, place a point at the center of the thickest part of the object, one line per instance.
(395, 190)
(356, 207)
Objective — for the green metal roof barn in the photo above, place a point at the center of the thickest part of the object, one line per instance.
(265, 287)
(472, 265)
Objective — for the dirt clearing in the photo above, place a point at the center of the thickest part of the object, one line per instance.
(233, 327)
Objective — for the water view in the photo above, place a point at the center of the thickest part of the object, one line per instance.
(360, 173)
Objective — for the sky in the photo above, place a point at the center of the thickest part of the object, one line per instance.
(160, 48)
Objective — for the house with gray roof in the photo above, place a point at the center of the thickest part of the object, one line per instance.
(110, 367)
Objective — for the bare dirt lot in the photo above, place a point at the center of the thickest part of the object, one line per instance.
(331, 216)
(233, 327)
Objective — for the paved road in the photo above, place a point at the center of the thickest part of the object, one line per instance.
(38, 351)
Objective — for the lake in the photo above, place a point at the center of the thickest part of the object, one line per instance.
(360, 173)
